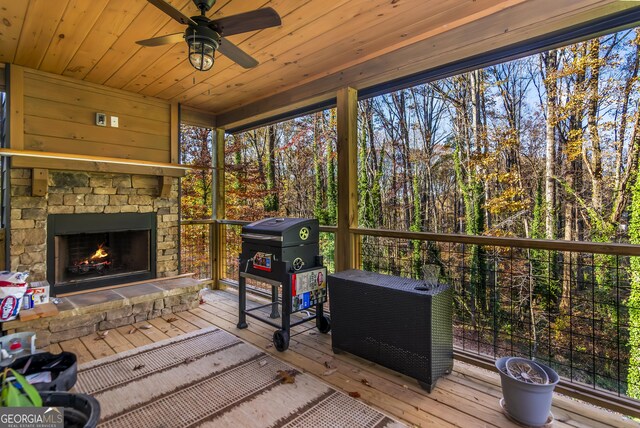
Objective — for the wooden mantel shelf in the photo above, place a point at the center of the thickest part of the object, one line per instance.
(68, 161)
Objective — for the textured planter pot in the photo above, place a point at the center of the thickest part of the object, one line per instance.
(528, 403)
(80, 410)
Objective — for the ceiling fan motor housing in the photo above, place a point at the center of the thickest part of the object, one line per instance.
(202, 32)
(204, 5)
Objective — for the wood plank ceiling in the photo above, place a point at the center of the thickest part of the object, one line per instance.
(94, 40)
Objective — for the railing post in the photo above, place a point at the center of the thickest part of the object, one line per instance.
(217, 231)
(213, 259)
(347, 251)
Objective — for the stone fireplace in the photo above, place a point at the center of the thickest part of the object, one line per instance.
(54, 236)
(87, 251)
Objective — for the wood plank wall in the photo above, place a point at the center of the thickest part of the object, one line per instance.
(60, 117)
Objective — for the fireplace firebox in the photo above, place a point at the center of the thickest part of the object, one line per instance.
(86, 251)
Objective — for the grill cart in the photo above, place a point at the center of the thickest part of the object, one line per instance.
(284, 252)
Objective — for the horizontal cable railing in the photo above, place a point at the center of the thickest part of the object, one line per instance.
(563, 303)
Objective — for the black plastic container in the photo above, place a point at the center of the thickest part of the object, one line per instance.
(80, 410)
(63, 368)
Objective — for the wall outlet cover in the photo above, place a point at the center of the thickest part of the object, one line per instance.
(101, 119)
(114, 121)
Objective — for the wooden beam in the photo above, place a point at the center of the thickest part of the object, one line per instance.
(39, 181)
(96, 166)
(174, 133)
(218, 168)
(493, 241)
(88, 158)
(82, 162)
(16, 106)
(347, 109)
(516, 24)
(218, 230)
(197, 117)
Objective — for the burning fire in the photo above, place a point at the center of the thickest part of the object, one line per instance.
(100, 253)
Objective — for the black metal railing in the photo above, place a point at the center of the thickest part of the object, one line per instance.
(562, 303)
(195, 248)
(231, 236)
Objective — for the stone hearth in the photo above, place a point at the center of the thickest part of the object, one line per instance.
(83, 314)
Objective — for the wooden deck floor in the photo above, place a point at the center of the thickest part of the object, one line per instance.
(468, 397)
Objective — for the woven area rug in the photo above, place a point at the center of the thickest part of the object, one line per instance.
(210, 378)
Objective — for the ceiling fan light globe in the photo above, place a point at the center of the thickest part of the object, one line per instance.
(201, 62)
(201, 51)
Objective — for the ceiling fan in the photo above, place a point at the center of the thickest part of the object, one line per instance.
(204, 35)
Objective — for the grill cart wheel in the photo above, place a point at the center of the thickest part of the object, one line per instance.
(526, 371)
(324, 324)
(281, 340)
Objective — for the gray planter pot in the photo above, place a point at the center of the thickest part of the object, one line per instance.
(527, 403)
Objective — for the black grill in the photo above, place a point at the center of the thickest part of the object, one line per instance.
(279, 243)
(284, 252)
(403, 324)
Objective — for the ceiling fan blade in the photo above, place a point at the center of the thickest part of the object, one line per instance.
(162, 40)
(172, 12)
(236, 54)
(248, 21)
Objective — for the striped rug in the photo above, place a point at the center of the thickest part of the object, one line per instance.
(210, 378)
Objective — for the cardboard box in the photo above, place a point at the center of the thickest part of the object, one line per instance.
(40, 292)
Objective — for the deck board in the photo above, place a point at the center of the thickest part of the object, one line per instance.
(117, 342)
(165, 327)
(134, 336)
(97, 346)
(467, 397)
(79, 348)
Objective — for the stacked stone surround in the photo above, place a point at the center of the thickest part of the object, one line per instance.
(119, 309)
(72, 192)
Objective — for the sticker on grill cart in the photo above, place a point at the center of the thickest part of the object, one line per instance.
(304, 233)
(308, 289)
(262, 261)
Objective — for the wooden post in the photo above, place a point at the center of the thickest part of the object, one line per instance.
(3, 237)
(217, 235)
(15, 89)
(174, 129)
(346, 256)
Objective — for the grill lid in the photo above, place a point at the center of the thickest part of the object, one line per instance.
(282, 231)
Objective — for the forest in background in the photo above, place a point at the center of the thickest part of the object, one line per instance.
(541, 147)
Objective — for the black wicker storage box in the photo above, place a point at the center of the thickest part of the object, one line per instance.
(399, 323)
